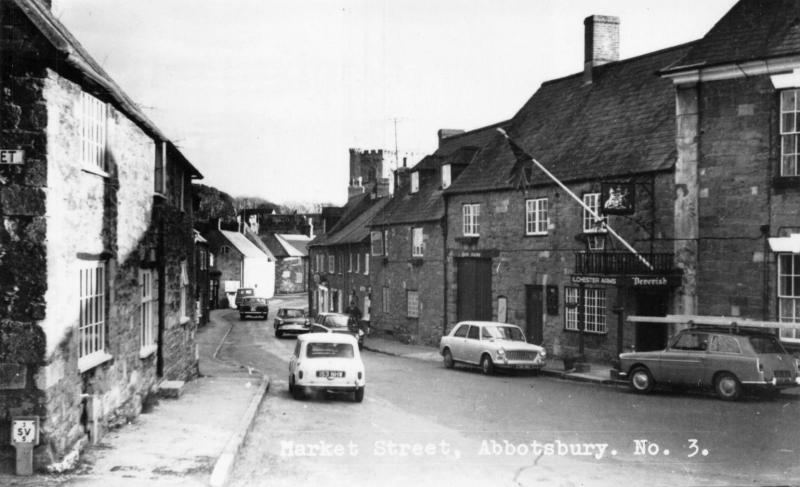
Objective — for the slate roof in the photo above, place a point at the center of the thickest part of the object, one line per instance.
(620, 124)
(245, 246)
(427, 204)
(751, 30)
(296, 245)
(352, 226)
(75, 55)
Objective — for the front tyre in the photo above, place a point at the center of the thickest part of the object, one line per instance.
(449, 363)
(641, 380)
(487, 366)
(727, 386)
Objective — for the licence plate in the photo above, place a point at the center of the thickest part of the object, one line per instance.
(330, 374)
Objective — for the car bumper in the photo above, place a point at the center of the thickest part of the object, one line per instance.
(248, 312)
(519, 365)
(292, 328)
(772, 384)
(331, 385)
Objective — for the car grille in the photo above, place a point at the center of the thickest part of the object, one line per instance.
(783, 374)
(521, 355)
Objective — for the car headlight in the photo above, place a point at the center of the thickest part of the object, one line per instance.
(543, 353)
(360, 332)
(501, 352)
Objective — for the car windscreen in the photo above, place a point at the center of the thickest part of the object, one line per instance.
(292, 313)
(337, 321)
(329, 350)
(503, 333)
(766, 344)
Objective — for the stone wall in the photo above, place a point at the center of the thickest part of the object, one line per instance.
(518, 260)
(400, 273)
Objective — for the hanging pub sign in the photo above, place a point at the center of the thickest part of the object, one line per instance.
(617, 198)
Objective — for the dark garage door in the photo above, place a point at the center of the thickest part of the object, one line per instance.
(474, 289)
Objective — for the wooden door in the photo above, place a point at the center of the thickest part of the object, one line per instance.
(534, 314)
(474, 281)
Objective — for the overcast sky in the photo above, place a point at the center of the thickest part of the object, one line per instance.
(266, 97)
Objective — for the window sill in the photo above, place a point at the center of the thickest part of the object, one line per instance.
(467, 239)
(416, 261)
(146, 352)
(96, 171)
(93, 360)
(586, 332)
(781, 182)
(537, 234)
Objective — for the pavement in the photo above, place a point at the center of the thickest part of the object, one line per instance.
(188, 441)
(596, 373)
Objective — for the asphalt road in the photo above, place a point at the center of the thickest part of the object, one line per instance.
(421, 424)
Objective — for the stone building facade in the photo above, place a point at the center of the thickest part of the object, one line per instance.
(96, 243)
(408, 242)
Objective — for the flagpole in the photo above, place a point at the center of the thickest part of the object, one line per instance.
(585, 207)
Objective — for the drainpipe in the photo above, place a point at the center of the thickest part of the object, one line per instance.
(444, 274)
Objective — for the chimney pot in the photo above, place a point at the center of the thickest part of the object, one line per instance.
(445, 133)
(601, 43)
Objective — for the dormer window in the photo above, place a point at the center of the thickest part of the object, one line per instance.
(415, 181)
(446, 176)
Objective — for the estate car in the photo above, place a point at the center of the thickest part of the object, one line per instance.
(491, 346)
(327, 362)
(725, 359)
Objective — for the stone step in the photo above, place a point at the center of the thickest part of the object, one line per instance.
(171, 389)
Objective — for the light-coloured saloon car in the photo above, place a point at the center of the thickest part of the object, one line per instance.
(725, 359)
(327, 362)
(490, 345)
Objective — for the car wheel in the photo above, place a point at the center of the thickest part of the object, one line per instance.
(291, 384)
(641, 380)
(241, 317)
(359, 394)
(487, 366)
(297, 392)
(448, 359)
(727, 386)
(278, 333)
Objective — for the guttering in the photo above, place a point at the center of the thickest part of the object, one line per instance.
(730, 70)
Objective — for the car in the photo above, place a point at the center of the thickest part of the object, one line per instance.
(338, 323)
(491, 346)
(291, 321)
(327, 362)
(253, 306)
(241, 293)
(726, 359)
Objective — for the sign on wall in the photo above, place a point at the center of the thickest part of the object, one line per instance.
(618, 198)
(12, 156)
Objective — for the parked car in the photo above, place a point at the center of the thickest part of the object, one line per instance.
(491, 346)
(291, 321)
(338, 323)
(253, 306)
(243, 292)
(727, 359)
(327, 362)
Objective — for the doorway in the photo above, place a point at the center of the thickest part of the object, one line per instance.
(534, 313)
(651, 336)
(474, 294)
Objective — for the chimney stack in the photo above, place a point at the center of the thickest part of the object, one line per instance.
(601, 43)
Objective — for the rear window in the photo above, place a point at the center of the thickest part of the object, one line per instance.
(255, 301)
(328, 350)
(338, 321)
(766, 344)
(291, 313)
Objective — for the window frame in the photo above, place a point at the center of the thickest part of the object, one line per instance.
(184, 291)
(412, 303)
(537, 219)
(366, 264)
(414, 182)
(470, 219)
(148, 313)
(590, 225)
(93, 128)
(376, 242)
(790, 297)
(447, 176)
(92, 315)
(417, 242)
(789, 133)
(595, 308)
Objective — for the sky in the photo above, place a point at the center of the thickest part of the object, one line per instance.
(265, 97)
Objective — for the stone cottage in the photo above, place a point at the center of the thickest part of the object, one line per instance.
(96, 245)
